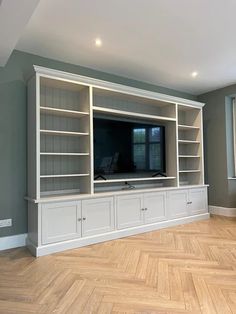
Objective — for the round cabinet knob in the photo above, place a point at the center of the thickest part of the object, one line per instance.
(146, 209)
(84, 218)
(79, 219)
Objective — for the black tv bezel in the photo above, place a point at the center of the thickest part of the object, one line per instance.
(141, 123)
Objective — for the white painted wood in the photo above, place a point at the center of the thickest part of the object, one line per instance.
(97, 216)
(132, 114)
(155, 207)
(189, 156)
(187, 171)
(188, 142)
(63, 112)
(88, 81)
(129, 211)
(63, 133)
(32, 139)
(80, 242)
(61, 221)
(64, 175)
(132, 180)
(177, 203)
(198, 201)
(64, 154)
(187, 127)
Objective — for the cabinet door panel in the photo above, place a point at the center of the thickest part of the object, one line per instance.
(178, 203)
(61, 221)
(155, 205)
(97, 216)
(198, 201)
(129, 211)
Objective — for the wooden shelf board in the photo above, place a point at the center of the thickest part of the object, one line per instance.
(188, 142)
(131, 114)
(132, 180)
(63, 112)
(189, 156)
(65, 133)
(64, 175)
(188, 171)
(64, 154)
(187, 127)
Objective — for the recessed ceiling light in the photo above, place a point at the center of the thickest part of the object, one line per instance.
(194, 74)
(98, 42)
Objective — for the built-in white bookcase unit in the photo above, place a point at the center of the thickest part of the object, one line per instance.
(67, 206)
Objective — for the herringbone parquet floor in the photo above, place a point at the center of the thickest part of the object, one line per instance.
(185, 269)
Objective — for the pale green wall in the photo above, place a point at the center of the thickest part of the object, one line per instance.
(218, 144)
(13, 144)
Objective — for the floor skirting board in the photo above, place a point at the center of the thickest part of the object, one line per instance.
(13, 241)
(222, 211)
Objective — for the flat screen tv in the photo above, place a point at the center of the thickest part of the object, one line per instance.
(127, 148)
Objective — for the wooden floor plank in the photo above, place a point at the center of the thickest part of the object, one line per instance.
(184, 269)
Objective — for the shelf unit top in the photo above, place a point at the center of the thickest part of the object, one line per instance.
(88, 81)
(116, 112)
(63, 112)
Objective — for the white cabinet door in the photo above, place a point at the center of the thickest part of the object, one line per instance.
(197, 201)
(129, 211)
(177, 203)
(155, 207)
(61, 221)
(97, 216)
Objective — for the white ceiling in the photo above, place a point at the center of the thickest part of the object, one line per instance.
(156, 41)
(14, 15)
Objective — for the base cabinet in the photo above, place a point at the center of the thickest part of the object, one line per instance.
(97, 216)
(187, 202)
(61, 222)
(138, 209)
(197, 201)
(78, 222)
(155, 207)
(177, 203)
(129, 209)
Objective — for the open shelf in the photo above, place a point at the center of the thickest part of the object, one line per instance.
(189, 156)
(64, 175)
(63, 154)
(63, 112)
(188, 142)
(128, 114)
(69, 133)
(186, 171)
(187, 127)
(132, 180)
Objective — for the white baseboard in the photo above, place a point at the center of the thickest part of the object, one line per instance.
(12, 242)
(222, 211)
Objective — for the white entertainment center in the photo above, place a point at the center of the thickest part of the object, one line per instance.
(67, 208)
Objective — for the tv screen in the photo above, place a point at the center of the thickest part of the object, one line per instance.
(128, 147)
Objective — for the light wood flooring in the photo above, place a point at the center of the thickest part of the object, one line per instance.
(185, 269)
